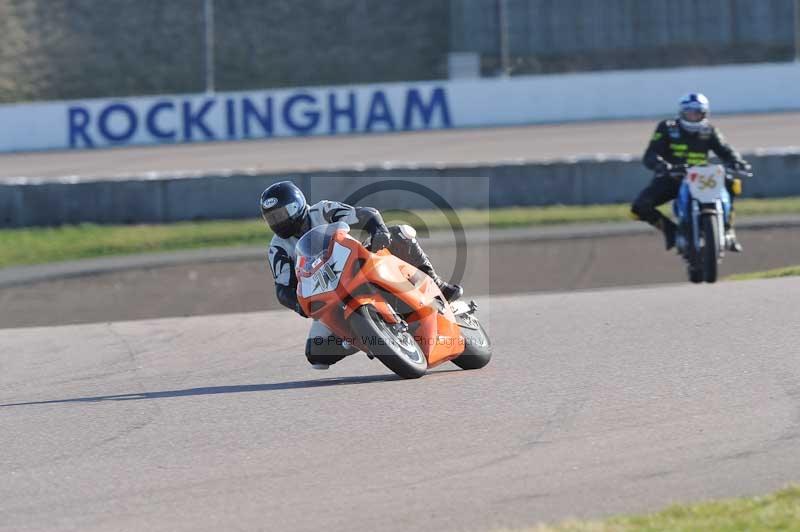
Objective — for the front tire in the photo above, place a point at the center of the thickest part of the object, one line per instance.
(397, 350)
(478, 349)
(695, 275)
(710, 251)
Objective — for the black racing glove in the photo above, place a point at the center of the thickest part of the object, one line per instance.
(678, 171)
(662, 168)
(742, 166)
(380, 239)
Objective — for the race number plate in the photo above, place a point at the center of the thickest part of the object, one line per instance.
(326, 278)
(706, 183)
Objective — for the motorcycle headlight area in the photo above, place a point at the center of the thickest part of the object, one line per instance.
(307, 265)
(318, 275)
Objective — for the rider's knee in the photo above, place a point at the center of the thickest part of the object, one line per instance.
(403, 232)
(403, 241)
(642, 208)
(322, 350)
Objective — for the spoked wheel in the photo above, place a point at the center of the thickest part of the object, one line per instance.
(392, 344)
(478, 348)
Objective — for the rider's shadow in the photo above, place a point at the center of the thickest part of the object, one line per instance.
(213, 390)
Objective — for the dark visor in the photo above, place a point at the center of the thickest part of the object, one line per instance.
(276, 217)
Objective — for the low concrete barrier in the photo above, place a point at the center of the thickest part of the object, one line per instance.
(593, 180)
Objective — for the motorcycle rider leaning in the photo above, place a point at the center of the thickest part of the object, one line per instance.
(675, 145)
(284, 208)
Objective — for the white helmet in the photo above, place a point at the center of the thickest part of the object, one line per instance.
(693, 112)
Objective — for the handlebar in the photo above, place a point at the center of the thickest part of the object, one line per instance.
(679, 172)
(743, 172)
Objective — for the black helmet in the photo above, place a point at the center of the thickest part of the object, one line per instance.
(284, 208)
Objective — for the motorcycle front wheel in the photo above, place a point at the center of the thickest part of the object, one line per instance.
(478, 348)
(389, 343)
(710, 252)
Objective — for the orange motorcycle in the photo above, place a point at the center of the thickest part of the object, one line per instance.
(384, 306)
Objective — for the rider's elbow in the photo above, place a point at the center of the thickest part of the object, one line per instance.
(286, 296)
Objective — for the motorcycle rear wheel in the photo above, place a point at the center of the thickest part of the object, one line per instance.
(397, 350)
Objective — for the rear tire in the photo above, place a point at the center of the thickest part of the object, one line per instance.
(710, 251)
(478, 348)
(398, 352)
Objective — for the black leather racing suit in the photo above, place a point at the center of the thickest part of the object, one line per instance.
(673, 145)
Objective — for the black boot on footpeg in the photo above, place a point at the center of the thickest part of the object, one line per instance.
(451, 292)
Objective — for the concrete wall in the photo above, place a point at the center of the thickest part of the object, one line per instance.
(236, 196)
(576, 35)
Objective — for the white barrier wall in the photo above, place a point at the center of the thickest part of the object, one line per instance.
(392, 107)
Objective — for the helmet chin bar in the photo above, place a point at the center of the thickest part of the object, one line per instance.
(304, 226)
(693, 126)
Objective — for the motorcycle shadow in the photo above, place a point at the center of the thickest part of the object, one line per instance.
(244, 388)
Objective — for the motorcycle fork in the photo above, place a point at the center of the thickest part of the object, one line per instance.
(696, 224)
(721, 228)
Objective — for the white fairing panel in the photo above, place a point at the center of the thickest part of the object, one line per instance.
(706, 183)
(326, 278)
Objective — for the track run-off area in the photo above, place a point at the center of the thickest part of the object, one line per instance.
(595, 403)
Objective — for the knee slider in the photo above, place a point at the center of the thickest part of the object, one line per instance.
(325, 350)
(315, 350)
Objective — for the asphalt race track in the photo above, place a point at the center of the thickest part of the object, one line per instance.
(462, 146)
(595, 403)
(601, 398)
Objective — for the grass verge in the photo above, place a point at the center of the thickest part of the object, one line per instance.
(777, 511)
(43, 245)
(789, 271)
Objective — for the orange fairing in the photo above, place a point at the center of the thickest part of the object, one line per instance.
(366, 278)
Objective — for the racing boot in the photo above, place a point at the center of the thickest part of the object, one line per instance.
(405, 246)
(670, 229)
(730, 236)
(451, 292)
(731, 241)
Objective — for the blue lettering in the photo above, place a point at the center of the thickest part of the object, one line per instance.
(230, 116)
(126, 133)
(249, 110)
(312, 116)
(190, 120)
(379, 111)
(414, 102)
(78, 122)
(152, 121)
(349, 111)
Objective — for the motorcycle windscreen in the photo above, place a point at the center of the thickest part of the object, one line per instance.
(313, 246)
(323, 276)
